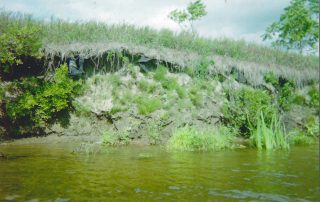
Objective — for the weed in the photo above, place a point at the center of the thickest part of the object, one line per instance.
(153, 133)
(148, 87)
(193, 139)
(160, 73)
(115, 138)
(147, 105)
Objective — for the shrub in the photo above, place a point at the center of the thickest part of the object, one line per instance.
(147, 105)
(286, 96)
(17, 42)
(193, 139)
(42, 103)
(314, 96)
(269, 136)
(240, 112)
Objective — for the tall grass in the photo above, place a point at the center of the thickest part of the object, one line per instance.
(62, 32)
(271, 136)
(197, 139)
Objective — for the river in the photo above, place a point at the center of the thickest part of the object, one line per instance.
(57, 173)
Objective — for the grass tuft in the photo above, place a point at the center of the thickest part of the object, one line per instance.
(196, 139)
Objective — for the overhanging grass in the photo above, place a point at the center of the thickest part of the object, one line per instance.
(61, 32)
(196, 139)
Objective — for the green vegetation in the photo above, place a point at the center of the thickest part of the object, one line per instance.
(196, 139)
(41, 103)
(147, 105)
(269, 136)
(153, 133)
(148, 87)
(17, 42)
(298, 27)
(240, 112)
(185, 18)
(116, 138)
(314, 96)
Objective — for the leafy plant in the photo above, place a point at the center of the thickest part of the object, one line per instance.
(240, 111)
(298, 27)
(18, 42)
(42, 103)
(185, 18)
(314, 96)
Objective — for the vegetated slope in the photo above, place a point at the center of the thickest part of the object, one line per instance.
(189, 82)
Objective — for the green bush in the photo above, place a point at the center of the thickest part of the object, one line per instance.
(42, 103)
(195, 139)
(17, 42)
(314, 96)
(286, 96)
(241, 110)
(269, 136)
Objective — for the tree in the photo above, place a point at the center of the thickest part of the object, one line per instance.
(298, 27)
(186, 17)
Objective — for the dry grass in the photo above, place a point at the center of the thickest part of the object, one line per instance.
(252, 71)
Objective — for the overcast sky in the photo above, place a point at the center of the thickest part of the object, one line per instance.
(239, 19)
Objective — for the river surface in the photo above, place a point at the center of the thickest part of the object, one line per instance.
(56, 173)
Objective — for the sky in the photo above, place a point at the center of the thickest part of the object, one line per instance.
(238, 19)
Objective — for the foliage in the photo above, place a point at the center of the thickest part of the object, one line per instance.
(298, 27)
(286, 96)
(17, 42)
(147, 105)
(240, 111)
(269, 136)
(116, 138)
(314, 96)
(285, 90)
(185, 18)
(193, 139)
(42, 103)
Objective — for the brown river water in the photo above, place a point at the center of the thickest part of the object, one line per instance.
(56, 173)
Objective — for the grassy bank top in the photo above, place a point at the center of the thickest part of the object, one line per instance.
(62, 32)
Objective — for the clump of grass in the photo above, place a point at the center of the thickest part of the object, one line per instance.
(148, 87)
(147, 105)
(160, 73)
(195, 96)
(116, 138)
(302, 139)
(196, 139)
(271, 136)
(115, 80)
